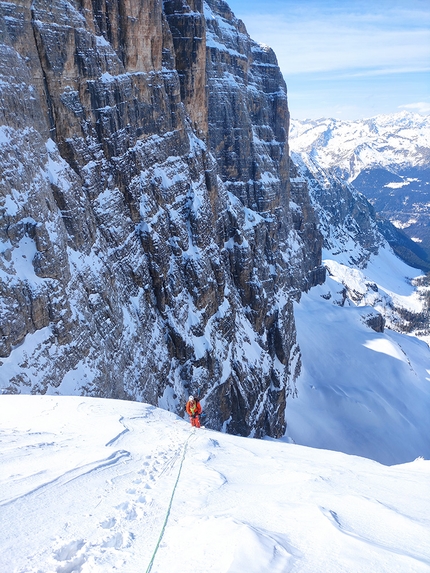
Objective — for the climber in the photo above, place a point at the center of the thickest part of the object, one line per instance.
(194, 410)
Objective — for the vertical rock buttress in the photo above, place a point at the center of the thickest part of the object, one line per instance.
(148, 247)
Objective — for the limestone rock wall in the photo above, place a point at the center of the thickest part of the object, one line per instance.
(345, 218)
(148, 248)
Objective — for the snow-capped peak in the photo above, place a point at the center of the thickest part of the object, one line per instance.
(349, 147)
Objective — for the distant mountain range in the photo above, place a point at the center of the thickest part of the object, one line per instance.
(387, 159)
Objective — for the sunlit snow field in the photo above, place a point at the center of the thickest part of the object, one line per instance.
(86, 486)
(360, 391)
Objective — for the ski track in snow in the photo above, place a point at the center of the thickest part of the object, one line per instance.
(86, 487)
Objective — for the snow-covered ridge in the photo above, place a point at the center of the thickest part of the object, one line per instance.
(88, 484)
(387, 159)
(351, 146)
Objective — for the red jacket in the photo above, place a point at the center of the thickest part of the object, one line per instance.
(193, 408)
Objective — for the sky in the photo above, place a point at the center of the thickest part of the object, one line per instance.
(346, 59)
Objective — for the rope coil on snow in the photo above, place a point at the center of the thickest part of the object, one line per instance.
(170, 505)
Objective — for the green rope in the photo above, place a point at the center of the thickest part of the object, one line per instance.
(170, 505)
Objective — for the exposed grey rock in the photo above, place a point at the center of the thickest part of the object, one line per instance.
(148, 245)
(374, 320)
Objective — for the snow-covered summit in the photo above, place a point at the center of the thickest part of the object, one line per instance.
(349, 147)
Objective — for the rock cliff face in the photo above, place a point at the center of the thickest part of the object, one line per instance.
(346, 219)
(149, 245)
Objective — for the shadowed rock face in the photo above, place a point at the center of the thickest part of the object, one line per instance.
(346, 219)
(149, 244)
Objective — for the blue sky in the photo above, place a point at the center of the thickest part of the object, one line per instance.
(347, 59)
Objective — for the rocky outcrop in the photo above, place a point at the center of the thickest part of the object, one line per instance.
(346, 219)
(187, 25)
(374, 320)
(148, 244)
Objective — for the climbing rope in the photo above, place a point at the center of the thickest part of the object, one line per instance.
(170, 504)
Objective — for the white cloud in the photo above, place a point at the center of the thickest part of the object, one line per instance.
(420, 106)
(329, 45)
(377, 72)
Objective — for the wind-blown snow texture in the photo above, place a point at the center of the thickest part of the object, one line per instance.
(86, 484)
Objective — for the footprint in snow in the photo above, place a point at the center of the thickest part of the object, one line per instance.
(68, 554)
(131, 514)
(72, 566)
(108, 523)
(69, 550)
(116, 541)
(128, 509)
(124, 506)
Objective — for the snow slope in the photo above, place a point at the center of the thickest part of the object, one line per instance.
(87, 485)
(360, 391)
